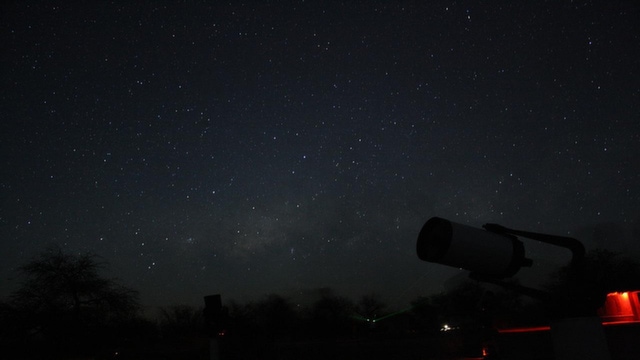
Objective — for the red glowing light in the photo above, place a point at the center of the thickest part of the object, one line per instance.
(621, 307)
(524, 329)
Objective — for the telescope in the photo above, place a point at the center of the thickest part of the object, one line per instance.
(493, 253)
(496, 253)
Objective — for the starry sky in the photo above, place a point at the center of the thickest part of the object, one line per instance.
(247, 148)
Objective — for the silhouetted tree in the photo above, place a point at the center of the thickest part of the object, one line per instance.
(65, 303)
(425, 315)
(461, 304)
(180, 320)
(256, 328)
(371, 307)
(472, 304)
(331, 316)
(276, 317)
(71, 283)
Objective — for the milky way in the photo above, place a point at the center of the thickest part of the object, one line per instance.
(252, 149)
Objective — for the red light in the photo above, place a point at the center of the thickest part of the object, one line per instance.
(620, 306)
(524, 329)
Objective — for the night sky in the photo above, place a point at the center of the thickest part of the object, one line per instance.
(280, 147)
